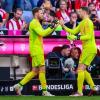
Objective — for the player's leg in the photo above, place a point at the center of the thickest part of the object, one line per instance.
(81, 74)
(88, 77)
(42, 77)
(80, 78)
(18, 87)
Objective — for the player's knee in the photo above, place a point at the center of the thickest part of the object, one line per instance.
(81, 67)
(35, 71)
(42, 69)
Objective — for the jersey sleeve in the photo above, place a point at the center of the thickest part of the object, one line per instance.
(72, 31)
(40, 31)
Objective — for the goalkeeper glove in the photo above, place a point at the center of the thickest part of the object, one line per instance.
(52, 25)
(73, 37)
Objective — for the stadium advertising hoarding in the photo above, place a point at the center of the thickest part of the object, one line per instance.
(56, 87)
(17, 42)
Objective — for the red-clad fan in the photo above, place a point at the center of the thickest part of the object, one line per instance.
(16, 23)
(97, 4)
(62, 13)
(4, 15)
(81, 3)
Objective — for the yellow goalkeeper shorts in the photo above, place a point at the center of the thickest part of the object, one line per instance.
(38, 61)
(86, 58)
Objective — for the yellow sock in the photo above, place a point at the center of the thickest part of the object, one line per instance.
(27, 78)
(42, 79)
(80, 80)
(89, 80)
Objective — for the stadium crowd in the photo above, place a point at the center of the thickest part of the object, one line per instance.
(67, 10)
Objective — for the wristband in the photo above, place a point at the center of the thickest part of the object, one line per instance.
(78, 37)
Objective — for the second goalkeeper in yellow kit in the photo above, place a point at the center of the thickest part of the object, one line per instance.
(89, 50)
(36, 51)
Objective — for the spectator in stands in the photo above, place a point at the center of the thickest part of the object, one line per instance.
(3, 18)
(41, 2)
(1, 21)
(55, 3)
(61, 52)
(81, 3)
(64, 53)
(68, 69)
(73, 20)
(97, 4)
(72, 23)
(9, 5)
(75, 54)
(49, 15)
(27, 6)
(16, 23)
(4, 15)
(34, 3)
(63, 14)
(94, 16)
(93, 7)
(71, 63)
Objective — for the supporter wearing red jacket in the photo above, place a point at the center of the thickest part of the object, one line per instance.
(81, 3)
(62, 13)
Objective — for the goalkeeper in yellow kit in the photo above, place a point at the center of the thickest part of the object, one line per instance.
(89, 50)
(36, 51)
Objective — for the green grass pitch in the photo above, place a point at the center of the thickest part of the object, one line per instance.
(48, 98)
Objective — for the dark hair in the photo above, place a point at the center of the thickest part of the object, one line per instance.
(86, 9)
(62, 1)
(76, 48)
(35, 10)
(52, 13)
(65, 47)
(73, 13)
(18, 9)
(90, 4)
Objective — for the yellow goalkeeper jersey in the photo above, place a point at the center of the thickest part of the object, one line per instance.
(86, 30)
(36, 37)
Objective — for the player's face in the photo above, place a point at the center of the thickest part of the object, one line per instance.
(40, 14)
(81, 13)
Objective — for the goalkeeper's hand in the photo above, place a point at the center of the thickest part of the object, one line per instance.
(54, 24)
(72, 37)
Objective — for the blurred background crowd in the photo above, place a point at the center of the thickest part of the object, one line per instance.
(16, 14)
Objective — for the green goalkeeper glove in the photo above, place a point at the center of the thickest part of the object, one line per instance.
(73, 37)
